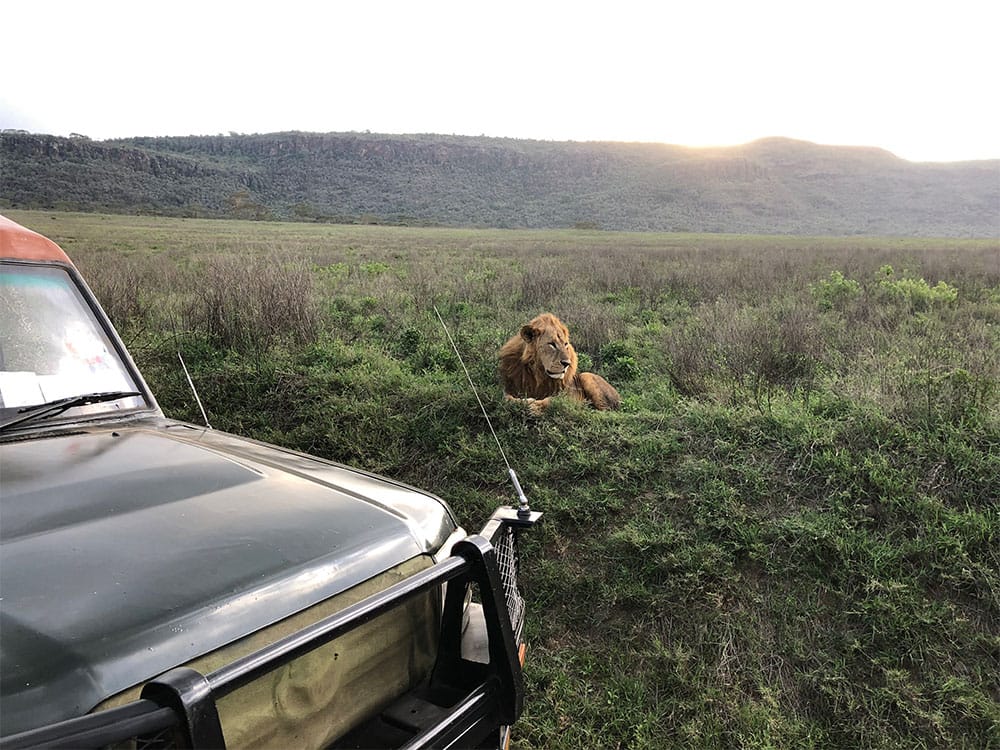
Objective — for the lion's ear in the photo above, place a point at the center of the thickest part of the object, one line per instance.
(528, 333)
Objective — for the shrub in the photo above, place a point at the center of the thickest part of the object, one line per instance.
(933, 398)
(835, 291)
(914, 293)
(540, 284)
(691, 357)
(619, 360)
(776, 346)
(251, 303)
(119, 288)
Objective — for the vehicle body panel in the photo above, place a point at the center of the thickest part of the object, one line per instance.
(130, 550)
(17, 242)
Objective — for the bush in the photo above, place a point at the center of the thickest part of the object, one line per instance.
(914, 293)
(251, 303)
(835, 292)
(691, 356)
(620, 361)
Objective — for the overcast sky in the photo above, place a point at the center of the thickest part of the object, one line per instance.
(920, 79)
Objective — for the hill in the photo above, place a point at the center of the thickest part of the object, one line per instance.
(773, 185)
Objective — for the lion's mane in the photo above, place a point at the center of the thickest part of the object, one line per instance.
(523, 369)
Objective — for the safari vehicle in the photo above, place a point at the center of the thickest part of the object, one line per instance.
(164, 584)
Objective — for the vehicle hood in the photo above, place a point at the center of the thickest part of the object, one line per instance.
(127, 551)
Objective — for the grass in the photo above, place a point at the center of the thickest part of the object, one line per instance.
(788, 537)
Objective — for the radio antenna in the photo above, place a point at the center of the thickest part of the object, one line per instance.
(523, 509)
(194, 391)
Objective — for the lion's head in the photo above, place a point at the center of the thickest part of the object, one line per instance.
(540, 360)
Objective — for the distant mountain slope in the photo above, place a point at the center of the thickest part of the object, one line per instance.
(770, 186)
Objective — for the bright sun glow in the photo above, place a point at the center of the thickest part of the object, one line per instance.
(916, 78)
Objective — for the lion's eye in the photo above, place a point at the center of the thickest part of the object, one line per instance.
(553, 344)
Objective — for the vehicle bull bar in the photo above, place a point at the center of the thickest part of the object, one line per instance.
(178, 708)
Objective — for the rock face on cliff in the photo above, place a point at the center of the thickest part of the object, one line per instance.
(769, 186)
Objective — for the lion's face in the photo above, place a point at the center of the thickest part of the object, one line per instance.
(554, 354)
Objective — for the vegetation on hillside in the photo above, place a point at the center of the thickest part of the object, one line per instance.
(773, 186)
(789, 536)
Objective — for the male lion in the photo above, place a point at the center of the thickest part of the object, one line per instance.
(540, 362)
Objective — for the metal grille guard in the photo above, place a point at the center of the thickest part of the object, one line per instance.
(182, 702)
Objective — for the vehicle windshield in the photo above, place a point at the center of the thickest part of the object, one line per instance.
(52, 347)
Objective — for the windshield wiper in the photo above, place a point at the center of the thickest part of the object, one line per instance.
(39, 411)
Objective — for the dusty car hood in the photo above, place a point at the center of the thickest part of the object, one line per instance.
(131, 550)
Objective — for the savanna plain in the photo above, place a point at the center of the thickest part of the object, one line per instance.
(788, 536)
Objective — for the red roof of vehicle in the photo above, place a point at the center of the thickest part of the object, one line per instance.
(23, 244)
